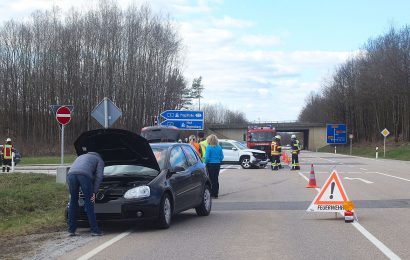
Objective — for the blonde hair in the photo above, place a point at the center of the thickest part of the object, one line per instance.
(212, 140)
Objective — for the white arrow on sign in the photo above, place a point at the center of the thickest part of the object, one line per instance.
(360, 179)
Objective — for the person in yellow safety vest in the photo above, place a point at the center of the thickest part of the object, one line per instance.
(203, 143)
(7, 152)
(276, 150)
(295, 150)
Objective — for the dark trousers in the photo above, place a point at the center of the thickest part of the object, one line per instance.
(75, 181)
(6, 163)
(213, 171)
(295, 161)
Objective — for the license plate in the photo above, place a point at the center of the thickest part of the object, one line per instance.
(107, 208)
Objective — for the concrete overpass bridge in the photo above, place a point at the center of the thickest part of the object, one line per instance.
(312, 135)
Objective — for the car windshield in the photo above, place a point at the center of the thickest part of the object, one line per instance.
(261, 137)
(240, 145)
(117, 170)
(160, 154)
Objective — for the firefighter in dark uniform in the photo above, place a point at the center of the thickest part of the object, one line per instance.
(295, 150)
(276, 150)
(7, 153)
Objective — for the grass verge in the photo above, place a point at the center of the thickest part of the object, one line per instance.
(31, 203)
(69, 158)
(398, 151)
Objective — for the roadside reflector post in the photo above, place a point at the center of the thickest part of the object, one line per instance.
(377, 152)
(335, 149)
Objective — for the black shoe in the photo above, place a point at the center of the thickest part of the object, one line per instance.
(96, 234)
(72, 234)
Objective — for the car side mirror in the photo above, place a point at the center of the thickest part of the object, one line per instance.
(234, 148)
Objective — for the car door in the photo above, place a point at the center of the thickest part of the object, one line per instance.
(196, 167)
(231, 153)
(181, 179)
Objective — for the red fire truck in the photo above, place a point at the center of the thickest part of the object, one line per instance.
(260, 138)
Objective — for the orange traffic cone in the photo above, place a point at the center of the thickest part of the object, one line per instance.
(312, 179)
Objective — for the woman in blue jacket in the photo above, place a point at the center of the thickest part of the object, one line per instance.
(213, 159)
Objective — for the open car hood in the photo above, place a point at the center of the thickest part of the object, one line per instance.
(117, 147)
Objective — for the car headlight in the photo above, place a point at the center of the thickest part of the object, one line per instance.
(138, 192)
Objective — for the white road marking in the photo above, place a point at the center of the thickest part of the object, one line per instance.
(360, 179)
(392, 176)
(363, 169)
(384, 249)
(104, 246)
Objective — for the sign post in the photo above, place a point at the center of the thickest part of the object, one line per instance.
(183, 119)
(63, 117)
(385, 133)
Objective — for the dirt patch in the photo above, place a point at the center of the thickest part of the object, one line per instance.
(21, 246)
(41, 246)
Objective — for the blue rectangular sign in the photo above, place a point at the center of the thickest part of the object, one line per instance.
(184, 124)
(336, 133)
(183, 114)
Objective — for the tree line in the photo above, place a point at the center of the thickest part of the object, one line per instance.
(370, 91)
(132, 56)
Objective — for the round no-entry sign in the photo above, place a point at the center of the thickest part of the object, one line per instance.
(63, 115)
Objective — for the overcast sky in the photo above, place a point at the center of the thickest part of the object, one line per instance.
(261, 57)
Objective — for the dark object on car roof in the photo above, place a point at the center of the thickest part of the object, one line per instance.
(117, 147)
(160, 134)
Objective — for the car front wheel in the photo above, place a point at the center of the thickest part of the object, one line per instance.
(246, 163)
(204, 209)
(165, 212)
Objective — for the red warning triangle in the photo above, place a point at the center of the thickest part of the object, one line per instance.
(331, 196)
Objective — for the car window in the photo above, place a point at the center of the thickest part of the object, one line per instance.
(191, 155)
(160, 155)
(177, 158)
(226, 145)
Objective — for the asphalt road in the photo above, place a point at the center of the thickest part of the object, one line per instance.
(262, 215)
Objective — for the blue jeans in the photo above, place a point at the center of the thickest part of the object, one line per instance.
(75, 181)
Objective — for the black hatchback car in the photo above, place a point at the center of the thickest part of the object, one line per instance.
(145, 181)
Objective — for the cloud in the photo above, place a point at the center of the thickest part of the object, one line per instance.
(261, 40)
(230, 22)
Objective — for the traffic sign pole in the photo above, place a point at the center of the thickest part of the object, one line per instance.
(63, 116)
(105, 113)
(384, 147)
(62, 145)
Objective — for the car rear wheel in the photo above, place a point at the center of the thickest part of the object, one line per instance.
(165, 212)
(204, 209)
(246, 162)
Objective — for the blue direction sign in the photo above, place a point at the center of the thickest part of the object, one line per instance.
(184, 124)
(336, 133)
(183, 114)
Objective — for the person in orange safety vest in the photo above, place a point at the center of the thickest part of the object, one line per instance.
(7, 152)
(276, 150)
